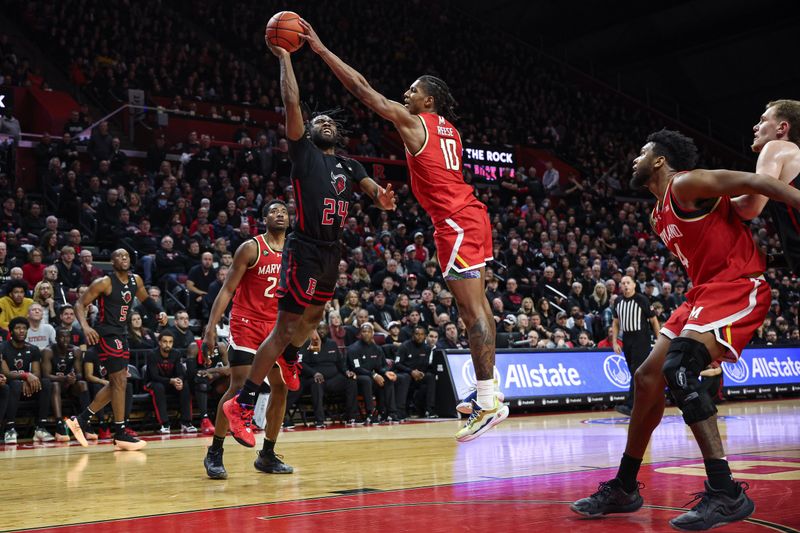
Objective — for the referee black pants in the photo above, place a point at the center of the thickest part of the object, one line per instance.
(636, 349)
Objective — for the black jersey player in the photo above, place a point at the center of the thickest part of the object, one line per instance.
(323, 186)
(114, 294)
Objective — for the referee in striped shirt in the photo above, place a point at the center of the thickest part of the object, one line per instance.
(634, 318)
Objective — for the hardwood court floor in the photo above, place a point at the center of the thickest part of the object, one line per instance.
(520, 476)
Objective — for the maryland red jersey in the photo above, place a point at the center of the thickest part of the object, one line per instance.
(255, 296)
(712, 245)
(435, 170)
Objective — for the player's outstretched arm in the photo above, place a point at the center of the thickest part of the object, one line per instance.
(383, 198)
(770, 163)
(703, 184)
(290, 93)
(358, 85)
(244, 256)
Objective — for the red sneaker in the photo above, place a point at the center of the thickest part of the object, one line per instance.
(104, 433)
(129, 431)
(290, 372)
(206, 427)
(240, 419)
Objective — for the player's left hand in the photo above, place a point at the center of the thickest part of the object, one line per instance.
(385, 198)
(277, 51)
(163, 318)
(311, 37)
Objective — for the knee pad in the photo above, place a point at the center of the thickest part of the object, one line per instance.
(686, 358)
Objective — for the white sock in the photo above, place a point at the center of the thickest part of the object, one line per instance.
(485, 393)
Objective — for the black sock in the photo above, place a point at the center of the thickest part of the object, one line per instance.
(10, 425)
(269, 446)
(628, 470)
(85, 415)
(290, 353)
(720, 477)
(42, 423)
(217, 442)
(119, 428)
(248, 394)
(264, 388)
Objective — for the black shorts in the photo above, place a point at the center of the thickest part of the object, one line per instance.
(112, 352)
(309, 269)
(240, 358)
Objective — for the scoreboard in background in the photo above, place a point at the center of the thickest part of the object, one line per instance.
(487, 162)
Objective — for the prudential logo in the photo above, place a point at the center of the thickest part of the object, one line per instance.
(737, 372)
(616, 371)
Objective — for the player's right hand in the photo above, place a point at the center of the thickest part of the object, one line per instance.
(617, 348)
(276, 50)
(91, 336)
(311, 37)
(35, 383)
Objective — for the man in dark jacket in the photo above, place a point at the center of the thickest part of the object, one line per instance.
(414, 375)
(166, 375)
(368, 362)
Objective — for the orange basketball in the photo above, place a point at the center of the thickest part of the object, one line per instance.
(284, 30)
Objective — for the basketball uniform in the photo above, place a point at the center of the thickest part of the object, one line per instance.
(112, 323)
(787, 223)
(64, 365)
(730, 295)
(255, 306)
(323, 188)
(463, 234)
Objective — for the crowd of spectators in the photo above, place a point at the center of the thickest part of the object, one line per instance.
(561, 245)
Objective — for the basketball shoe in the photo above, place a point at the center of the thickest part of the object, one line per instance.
(240, 419)
(123, 441)
(482, 420)
(270, 463)
(465, 405)
(206, 426)
(62, 433)
(609, 498)
(715, 509)
(77, 426)
(290, 372)
(213, 463)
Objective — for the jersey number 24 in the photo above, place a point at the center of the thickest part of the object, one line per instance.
(332, 207)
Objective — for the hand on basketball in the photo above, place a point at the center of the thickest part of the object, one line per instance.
(92, 337)
(277, 51)
(385, 198)
(311, 37)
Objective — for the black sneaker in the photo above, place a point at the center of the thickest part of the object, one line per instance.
(213, 463)
(623, 409)
(715, 509)
(271, 463)
(123, 441)
(609, 498)
(288, 423)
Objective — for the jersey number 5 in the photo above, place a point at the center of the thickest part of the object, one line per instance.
(451, 161)
(330, 208)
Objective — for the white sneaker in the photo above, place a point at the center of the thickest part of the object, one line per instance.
(482, 420)
(10, 437)
(164, 430)
(188, 428)
(43, 435)
(465, 406)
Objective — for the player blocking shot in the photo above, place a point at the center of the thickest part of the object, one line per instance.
(463, 233)
(323, 187)
(252, 284)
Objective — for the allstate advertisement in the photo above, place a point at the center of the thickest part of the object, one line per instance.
(525, 374)
(764, 366)
(598, 375)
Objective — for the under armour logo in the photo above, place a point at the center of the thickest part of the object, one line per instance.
(695, 314)
(441, 120)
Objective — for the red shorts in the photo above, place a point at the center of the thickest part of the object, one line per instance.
(247, 334)
(733, 310)
(464, 241)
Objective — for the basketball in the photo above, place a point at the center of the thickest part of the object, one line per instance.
(284, 30)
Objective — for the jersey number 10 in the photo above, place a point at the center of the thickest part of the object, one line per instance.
(449, 148)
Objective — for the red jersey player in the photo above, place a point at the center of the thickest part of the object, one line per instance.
(463, 234)
(695, 218)
(254, 279)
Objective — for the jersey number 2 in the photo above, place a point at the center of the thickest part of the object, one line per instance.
(269, 292)
(449, 148)
(330, 208)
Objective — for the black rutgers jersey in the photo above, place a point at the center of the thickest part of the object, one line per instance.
(787, 223)
(115, 308)
(323, 189)
(20, 359)
(63, 364)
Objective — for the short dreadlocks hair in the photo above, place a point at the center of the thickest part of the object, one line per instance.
(678, 149)
(443, 99)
